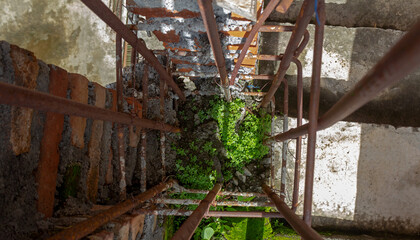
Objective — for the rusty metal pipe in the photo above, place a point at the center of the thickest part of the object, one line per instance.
(103, 12)
(180, 212)
(216, 203)
(302, 22)
(206, 10)
(180, 189)
(313, 115)
(267, 11)
(82, 229)
(296, 178)
(22, 97)
(297, 224)
(188, 227)
(401, 60)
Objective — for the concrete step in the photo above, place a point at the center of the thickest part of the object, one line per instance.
(396, 14)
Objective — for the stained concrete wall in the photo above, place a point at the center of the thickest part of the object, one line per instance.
(61, 32)
(366, 177)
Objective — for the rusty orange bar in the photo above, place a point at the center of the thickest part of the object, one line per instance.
(103, 12)
(88, 226)
(294, 220)
(187, 229)
(206, 10)
(23, 97)
(302, 22)
(267, 11)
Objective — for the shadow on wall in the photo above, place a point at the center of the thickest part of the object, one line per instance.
(388, 180)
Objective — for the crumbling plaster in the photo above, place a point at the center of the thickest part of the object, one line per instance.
(61, 32)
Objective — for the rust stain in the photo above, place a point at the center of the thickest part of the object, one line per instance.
(26, 69)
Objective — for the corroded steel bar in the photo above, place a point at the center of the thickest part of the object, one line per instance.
(302, 22)
(224, 203)
(120, 127)
(285, 143)
(206, 10)
(284, 6)
(313, 114)
(298, 224)
(103, 12)
(145, 89)
(267, 11)
(188, 227)
(181, 189)
(299, 139)
(23, 97)
(401, 60)
(91, 224)
(180, 212)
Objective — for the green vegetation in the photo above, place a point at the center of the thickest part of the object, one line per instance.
(243, 144)
(234, 228)
(240, 134)
(70, 185)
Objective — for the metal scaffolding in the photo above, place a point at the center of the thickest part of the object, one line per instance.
(401, 60)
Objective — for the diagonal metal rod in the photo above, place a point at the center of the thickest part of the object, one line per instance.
(298, 224)
(401, 60)
(91, 224)
(302, 22)
(206, 9)
(188, 227)
(103, 12)
(299, 139)
(22, 97)
(181, 212)
(267, 11)
(313, 114)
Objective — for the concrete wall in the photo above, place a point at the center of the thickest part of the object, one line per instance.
(61, 32)
(366, 177)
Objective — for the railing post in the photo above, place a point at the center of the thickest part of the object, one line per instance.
(313, 114)
(298, 224)
(187, 229)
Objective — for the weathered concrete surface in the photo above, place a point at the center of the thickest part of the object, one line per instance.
(26, 70)
(348, 55)
(18, 193)
(394, 14)
(61, 32)
(366, 177)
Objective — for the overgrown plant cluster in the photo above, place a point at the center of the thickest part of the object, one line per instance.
(236, 142)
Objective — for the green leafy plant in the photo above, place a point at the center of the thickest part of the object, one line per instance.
(243, 143)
